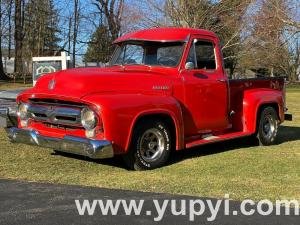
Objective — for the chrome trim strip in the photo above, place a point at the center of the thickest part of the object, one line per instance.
(3, 117)
(54, 102)
(96, 149)
(3, 111)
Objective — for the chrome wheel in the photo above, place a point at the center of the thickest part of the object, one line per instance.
(269, 124)
(152, 145)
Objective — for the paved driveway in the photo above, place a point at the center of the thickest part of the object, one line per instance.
(10, 94)
(36, 203)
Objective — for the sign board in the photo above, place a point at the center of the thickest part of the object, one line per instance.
(44, 65)
(8, 65)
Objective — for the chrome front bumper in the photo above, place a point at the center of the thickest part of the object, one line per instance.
(96, 149)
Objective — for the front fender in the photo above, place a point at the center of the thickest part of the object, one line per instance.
(252, 102)
(120, 112)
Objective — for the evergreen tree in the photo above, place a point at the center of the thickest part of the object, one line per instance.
(41, 29)
(99, 48)
(2, 74)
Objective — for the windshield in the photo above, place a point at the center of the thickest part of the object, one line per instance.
(148, 53)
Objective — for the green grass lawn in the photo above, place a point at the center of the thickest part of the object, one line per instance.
(235, 167)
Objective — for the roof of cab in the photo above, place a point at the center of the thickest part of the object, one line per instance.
(164, 34)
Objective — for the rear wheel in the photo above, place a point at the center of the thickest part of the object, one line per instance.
(151, 146)
(267, 126)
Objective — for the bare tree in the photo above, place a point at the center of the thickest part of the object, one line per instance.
(224, 18)
(273, 44)
(289, 19)
(132, 18)
(112, 10)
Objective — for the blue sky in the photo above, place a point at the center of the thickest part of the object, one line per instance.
(86, 28)
(90, 19)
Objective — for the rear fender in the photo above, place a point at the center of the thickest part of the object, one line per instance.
(254, 100)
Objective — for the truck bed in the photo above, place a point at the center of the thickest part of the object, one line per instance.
(237, 88)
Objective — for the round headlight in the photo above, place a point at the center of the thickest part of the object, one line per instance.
(23, 111)
(88, 119)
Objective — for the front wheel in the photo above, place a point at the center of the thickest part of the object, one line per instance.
(267, 126)
(151, 146)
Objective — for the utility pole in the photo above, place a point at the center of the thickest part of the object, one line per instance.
(75, 29)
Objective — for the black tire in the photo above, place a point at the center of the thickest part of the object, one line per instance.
(267, 127)
(150, 146)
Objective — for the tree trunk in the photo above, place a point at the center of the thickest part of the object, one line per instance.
(9, 27)
(3, 76)
(75, 30)
(69, 40)
(272, 72)
(113, 14)
(69, 36)
(18, 37)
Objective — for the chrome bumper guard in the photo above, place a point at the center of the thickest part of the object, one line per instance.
(8, 116)
(96, 149)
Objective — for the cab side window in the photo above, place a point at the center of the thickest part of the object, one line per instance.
(202, 54)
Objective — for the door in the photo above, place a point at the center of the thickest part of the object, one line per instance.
(206, 87)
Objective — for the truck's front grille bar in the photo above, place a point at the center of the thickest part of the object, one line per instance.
(55, 102)
(56, 114)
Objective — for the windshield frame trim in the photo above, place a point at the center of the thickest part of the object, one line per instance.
(122, 43)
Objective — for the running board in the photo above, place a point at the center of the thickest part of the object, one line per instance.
(211, 138)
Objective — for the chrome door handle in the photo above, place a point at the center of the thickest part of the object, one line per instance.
(200, 75)
(221, 80)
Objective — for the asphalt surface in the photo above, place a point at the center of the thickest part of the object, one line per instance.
(38, 203)
(10, 94)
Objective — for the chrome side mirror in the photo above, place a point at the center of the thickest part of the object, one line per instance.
(189, 66)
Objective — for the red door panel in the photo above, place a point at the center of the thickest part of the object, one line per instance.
(205, 92)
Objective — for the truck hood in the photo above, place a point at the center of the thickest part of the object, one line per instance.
(78, 83)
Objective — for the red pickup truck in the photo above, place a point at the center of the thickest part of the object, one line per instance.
(164, 89)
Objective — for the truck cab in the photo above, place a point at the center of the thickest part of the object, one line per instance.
(165, 89)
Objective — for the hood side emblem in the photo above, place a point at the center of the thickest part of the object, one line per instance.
(157, 87)
(51, 84)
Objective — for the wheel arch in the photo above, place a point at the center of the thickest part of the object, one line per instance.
(174, 122)
(253, 104)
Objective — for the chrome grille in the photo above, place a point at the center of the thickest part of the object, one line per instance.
(56, 113)
(55, 102)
